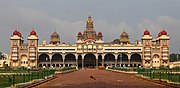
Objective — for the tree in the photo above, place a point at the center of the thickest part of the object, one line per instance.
(1, 55)
(116, 41)
(174, 57)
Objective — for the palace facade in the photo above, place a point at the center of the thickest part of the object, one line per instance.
(90, 50)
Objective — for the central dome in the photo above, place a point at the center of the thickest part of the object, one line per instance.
(55, 34)
(124, 34)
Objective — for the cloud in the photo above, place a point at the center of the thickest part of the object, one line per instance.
(170, 24)
(27, 18)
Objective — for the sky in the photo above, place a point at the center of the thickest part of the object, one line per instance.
(68, 17)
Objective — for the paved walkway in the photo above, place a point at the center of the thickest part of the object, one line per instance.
(98, 79)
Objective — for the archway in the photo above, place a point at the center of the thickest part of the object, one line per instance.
(135, 59)
(122, 59)
(70, 59)
(43, 58)
(90, 60)
(57, 58)
(100, 60)
(24, 60)
(109, 59)
(79, 61)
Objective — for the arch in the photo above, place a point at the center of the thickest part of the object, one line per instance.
(123, 58)
(90, 60)
(57, 58)
(109, 58)
(135, 58)
(23, 57)
(155, 56)
(40, 65)
(44, 58)
(70, 58)
(99, 60)
(80, 61)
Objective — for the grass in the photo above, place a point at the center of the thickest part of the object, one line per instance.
(168, 74)
(65, 69)
(22, 77)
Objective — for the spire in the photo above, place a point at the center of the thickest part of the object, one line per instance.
(89, 23)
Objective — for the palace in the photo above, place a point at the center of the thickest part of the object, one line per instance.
(90, 50)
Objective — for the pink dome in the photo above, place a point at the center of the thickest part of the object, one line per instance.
(19, 33)
(33, 32)
(159, 34)
(99, 33)
(79, 33)
(163, 32)
(146, 32)
(15, 32)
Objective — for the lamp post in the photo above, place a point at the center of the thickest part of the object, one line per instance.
(177, 57)
(150, 71)
(44, 71)
(129, 66)
(28, 72)
(139, 69)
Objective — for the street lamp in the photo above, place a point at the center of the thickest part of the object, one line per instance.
(44, 71)
(29, 72)
(129, 66)
(28, 68)
(150, 71)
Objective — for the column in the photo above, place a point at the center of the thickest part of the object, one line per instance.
(102, 60)
(96, 60)
(82, 63)
(63, 57)
(116, 57)
(50, 58)
(129, 58)
(76, 61)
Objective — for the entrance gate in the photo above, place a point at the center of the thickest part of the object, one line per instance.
(89, 61)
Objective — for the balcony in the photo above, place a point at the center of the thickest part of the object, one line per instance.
(32, 58)
(14, 58)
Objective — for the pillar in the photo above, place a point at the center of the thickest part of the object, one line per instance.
(97, 62)
(102, 60)
(82, 62)
(116, 57)
(50, 58)
(63, 57)
(96, 56)
(76, 61)
(129, 58)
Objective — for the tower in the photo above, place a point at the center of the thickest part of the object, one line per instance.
(89, 31)
(32, 48)
(146, 51)
(16, 41)
(124, 38)
(55, 39)
(163, 41)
